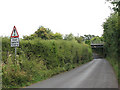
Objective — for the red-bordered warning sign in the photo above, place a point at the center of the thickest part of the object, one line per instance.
(14, 33)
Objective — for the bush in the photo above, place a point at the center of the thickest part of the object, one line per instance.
(39, 59)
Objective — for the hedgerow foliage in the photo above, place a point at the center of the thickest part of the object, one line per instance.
(38, 59)
(111, 40)
(112, 37)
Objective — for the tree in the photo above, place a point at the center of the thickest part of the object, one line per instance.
(116, 4)
(43, 33)
(28, 37)
(69, 37)
(79, 39)
(110, 35)
(57, 36)
(88, 37)
(97, 40)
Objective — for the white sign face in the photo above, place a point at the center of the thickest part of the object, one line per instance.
(14, 42)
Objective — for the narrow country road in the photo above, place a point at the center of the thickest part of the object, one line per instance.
(96, 74)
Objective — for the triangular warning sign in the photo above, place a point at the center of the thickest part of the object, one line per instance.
(14, 33)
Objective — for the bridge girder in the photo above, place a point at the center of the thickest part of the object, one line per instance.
(97, 45)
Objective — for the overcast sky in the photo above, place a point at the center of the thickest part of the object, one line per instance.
(63, 16)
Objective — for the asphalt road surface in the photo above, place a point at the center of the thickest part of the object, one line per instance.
(96, 74)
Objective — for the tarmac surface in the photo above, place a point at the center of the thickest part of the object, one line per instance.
(97, 73)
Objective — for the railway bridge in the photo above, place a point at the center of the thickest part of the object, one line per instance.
(98, 45)
(98, 49)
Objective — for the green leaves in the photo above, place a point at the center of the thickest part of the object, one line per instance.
(69, 37)
(116, 4)
(112, 42)
(44, 33)
(97, 40)
(39, 59)
(110, 35)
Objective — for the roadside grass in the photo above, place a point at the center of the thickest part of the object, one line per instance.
(25, 80)
(114, 64)
(51, 73)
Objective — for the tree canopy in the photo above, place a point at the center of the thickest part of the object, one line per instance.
(44, 33)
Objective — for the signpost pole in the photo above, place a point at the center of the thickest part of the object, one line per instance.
(15, 40)
(15, 53)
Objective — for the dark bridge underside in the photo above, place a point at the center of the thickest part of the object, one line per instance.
(98, 49)
(96, 45)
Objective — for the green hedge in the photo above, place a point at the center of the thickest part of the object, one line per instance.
(111, 39)
(39, 59)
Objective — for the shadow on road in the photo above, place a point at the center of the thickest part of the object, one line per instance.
(97, 56)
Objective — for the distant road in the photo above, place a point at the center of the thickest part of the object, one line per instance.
(96, 74)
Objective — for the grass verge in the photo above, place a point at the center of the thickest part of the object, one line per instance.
(114, 64)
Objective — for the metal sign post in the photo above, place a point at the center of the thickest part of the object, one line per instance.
(15, 52)
(15, 40)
